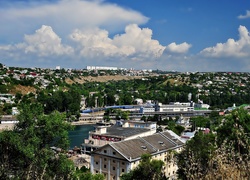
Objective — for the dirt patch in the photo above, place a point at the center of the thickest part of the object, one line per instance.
(22, 89)
(83, 79)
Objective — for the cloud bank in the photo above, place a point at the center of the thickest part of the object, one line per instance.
(134, 42)
(231, 48)
(66, 15)
(93, 44)
(44, 42)
(77, 33)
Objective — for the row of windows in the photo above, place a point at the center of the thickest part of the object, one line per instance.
(123, 163)
(105, 151)
(105, 166)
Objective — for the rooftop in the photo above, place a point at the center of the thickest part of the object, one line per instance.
(159, 142)
(123, 132)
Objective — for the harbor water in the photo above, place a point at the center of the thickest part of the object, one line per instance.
(77, 136)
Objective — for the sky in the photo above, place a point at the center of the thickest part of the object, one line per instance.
(179, 35)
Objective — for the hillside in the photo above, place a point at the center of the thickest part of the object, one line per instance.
(22, 89)
(84, 79)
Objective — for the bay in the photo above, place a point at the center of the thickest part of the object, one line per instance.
(77, 136)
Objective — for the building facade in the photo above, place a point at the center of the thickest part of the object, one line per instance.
(175, 107)
(114, 159)
(101, 68)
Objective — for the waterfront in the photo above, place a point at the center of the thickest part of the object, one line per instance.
(77, 136)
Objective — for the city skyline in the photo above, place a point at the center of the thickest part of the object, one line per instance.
(180, 35)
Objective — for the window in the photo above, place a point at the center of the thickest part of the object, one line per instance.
(113, 167)
(123, 163)
(96, 172)
(123, 170)
(114, 153)
(96, 162)
(105, 159)
(105, 166)
(105, 151)
(113, 161)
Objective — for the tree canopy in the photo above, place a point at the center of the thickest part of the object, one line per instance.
(224, 154)
(147, 169)
(26, 151)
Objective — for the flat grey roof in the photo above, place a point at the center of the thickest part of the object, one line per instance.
(124, 132)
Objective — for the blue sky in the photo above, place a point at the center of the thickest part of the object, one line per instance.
(181, 35)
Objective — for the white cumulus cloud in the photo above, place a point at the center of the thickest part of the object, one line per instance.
(135, 42)
(247, 15)
(231, 48)
(178, 48)
(44, 42)
(66, 15)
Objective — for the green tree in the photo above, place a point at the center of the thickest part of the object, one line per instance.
(121, 114)
(144, 118)
(235, 131)
(193, 160)
(148, 168)
(233, 154)
(200, 122)
(85, 174)
(178, 129)
(25, 152)
(228, 159)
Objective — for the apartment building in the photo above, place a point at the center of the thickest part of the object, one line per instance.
(117, 158)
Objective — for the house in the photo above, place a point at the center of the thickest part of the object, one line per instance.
(117, 158)
(185, 136)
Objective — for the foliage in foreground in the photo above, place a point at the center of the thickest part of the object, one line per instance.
(227, 156)
(25, 152)
(147, 169)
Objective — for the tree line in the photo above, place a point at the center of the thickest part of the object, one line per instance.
(26, 153)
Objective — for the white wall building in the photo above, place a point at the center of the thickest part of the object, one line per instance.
(101, 68)
(175, 107)
(117, 158)
(146, 109)
(141, 124)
